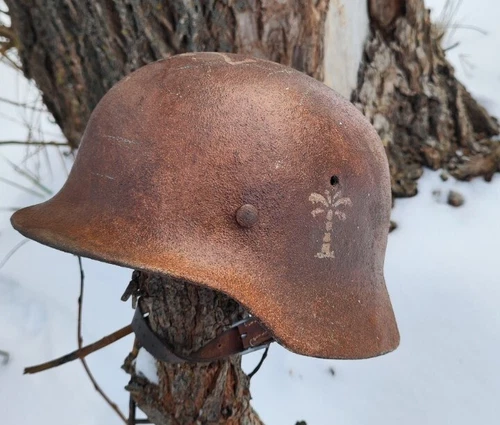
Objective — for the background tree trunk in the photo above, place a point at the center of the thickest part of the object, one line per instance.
(75, 51)
(424, 116)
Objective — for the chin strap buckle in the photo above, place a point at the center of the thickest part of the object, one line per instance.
(242, 337)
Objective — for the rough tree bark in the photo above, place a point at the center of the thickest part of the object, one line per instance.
(75, 51)
(424, 116)
(189, 317)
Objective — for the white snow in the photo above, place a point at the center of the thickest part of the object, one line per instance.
(441, 269)
(442, 274)
(145, 364)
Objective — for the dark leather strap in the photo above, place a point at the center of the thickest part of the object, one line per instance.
(243, 337)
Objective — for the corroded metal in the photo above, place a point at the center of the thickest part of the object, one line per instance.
(174, 150)
(247, 216)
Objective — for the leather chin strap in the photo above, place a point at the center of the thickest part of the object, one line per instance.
(243, 337)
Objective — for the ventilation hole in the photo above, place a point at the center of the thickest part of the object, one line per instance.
(334, 180)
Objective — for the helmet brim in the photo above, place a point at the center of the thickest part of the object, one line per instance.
(59, 224)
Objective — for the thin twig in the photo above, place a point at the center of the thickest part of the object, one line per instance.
(4, 50)
(22, 105)
(12, 252)
(6, 32)
(81, 353)
(33, 143)
(80, 346)
(251, 374)
(28, 175)
(10, 118)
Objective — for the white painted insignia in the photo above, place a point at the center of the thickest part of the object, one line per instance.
(330, 204)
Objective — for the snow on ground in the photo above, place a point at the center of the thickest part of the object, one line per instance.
(442, 274)
(441, 269)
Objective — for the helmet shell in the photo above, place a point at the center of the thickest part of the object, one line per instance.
(244, 176)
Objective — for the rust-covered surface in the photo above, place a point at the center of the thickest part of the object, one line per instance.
(244, 176)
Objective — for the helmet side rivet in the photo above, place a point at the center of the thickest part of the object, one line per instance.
(247, 216)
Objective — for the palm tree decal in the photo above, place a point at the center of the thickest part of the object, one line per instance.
(329, 204)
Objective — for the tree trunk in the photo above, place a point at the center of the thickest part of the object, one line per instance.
(422, 113)
(75, 50)
(385, 54)
(205, 393)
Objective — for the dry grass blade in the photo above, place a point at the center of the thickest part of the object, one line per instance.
(444, 21)
(80, 346)
(449, 12)
(31, 177)
(19, 186)
(12, 252)
(469, 27)
(447, 24)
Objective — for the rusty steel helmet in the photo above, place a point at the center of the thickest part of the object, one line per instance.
(244, 176)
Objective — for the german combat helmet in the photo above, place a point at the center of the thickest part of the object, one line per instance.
(244, 176)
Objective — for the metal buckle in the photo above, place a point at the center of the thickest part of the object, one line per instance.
(252, 348)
